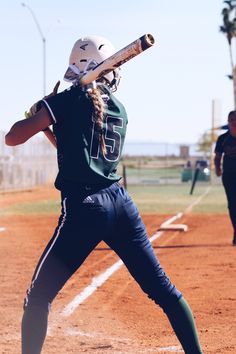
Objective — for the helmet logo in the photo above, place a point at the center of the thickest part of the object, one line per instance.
(83, 46)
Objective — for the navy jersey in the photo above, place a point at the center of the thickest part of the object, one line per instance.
(226, 144)
(80, 158)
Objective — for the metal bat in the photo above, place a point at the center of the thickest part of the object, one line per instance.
(118, 59)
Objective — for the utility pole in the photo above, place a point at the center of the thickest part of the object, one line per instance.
(43, 38)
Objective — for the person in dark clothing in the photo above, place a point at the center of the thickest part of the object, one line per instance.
(89, 129)
(225, 166)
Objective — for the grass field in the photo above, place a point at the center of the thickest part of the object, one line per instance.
(176, 198)
(160, 199)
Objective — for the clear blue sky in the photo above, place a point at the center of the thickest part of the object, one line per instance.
(168, 90)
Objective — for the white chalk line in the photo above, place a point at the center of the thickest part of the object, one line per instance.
(173, 348)
(193, 204)
(89, 290)
(2, 229)
(75, 332)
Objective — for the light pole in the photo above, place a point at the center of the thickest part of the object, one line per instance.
(44, 45)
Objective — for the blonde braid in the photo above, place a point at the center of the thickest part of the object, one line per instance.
(98, 105)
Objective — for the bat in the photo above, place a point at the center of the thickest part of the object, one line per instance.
(195, 176)
(114, 61)
(118, 59)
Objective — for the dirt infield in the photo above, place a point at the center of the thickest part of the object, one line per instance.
(118, 317)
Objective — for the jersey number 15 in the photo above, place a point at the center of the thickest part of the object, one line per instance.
(112, 136)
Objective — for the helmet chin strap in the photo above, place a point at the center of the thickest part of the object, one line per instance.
(113, 84)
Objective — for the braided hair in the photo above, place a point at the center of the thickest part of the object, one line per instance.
(98, 107)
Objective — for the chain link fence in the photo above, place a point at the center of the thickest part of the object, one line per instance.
(28, 165)
(34, 163)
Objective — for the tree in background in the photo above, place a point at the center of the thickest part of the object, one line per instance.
(229, 30)
(204, 144)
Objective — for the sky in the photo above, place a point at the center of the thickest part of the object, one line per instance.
(170, 91)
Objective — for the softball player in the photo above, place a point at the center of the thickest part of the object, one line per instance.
(89, 125)
(225, 150)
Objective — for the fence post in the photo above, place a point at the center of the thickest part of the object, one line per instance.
(124, 175)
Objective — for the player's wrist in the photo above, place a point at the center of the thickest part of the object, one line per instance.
(33, 109)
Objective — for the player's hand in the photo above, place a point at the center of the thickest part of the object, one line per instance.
(34, 109)
(54, 92)
(218, 172)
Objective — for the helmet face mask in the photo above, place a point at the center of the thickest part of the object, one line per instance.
(88, 52)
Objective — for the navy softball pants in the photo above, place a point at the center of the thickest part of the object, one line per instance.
(229, 184)
(108, 215)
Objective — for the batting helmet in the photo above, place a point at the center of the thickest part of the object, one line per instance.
(88, 52)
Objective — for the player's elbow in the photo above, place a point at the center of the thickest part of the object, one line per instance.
(9, 140)
(12, 139)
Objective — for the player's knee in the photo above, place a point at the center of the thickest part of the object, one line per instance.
(166, 299)
(32, 301)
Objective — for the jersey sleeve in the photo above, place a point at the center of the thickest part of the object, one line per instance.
(57, 106)
(219, 145)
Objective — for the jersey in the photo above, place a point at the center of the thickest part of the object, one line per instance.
(226, 144)
(80, 158)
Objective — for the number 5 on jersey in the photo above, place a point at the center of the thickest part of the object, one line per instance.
(112, 136)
